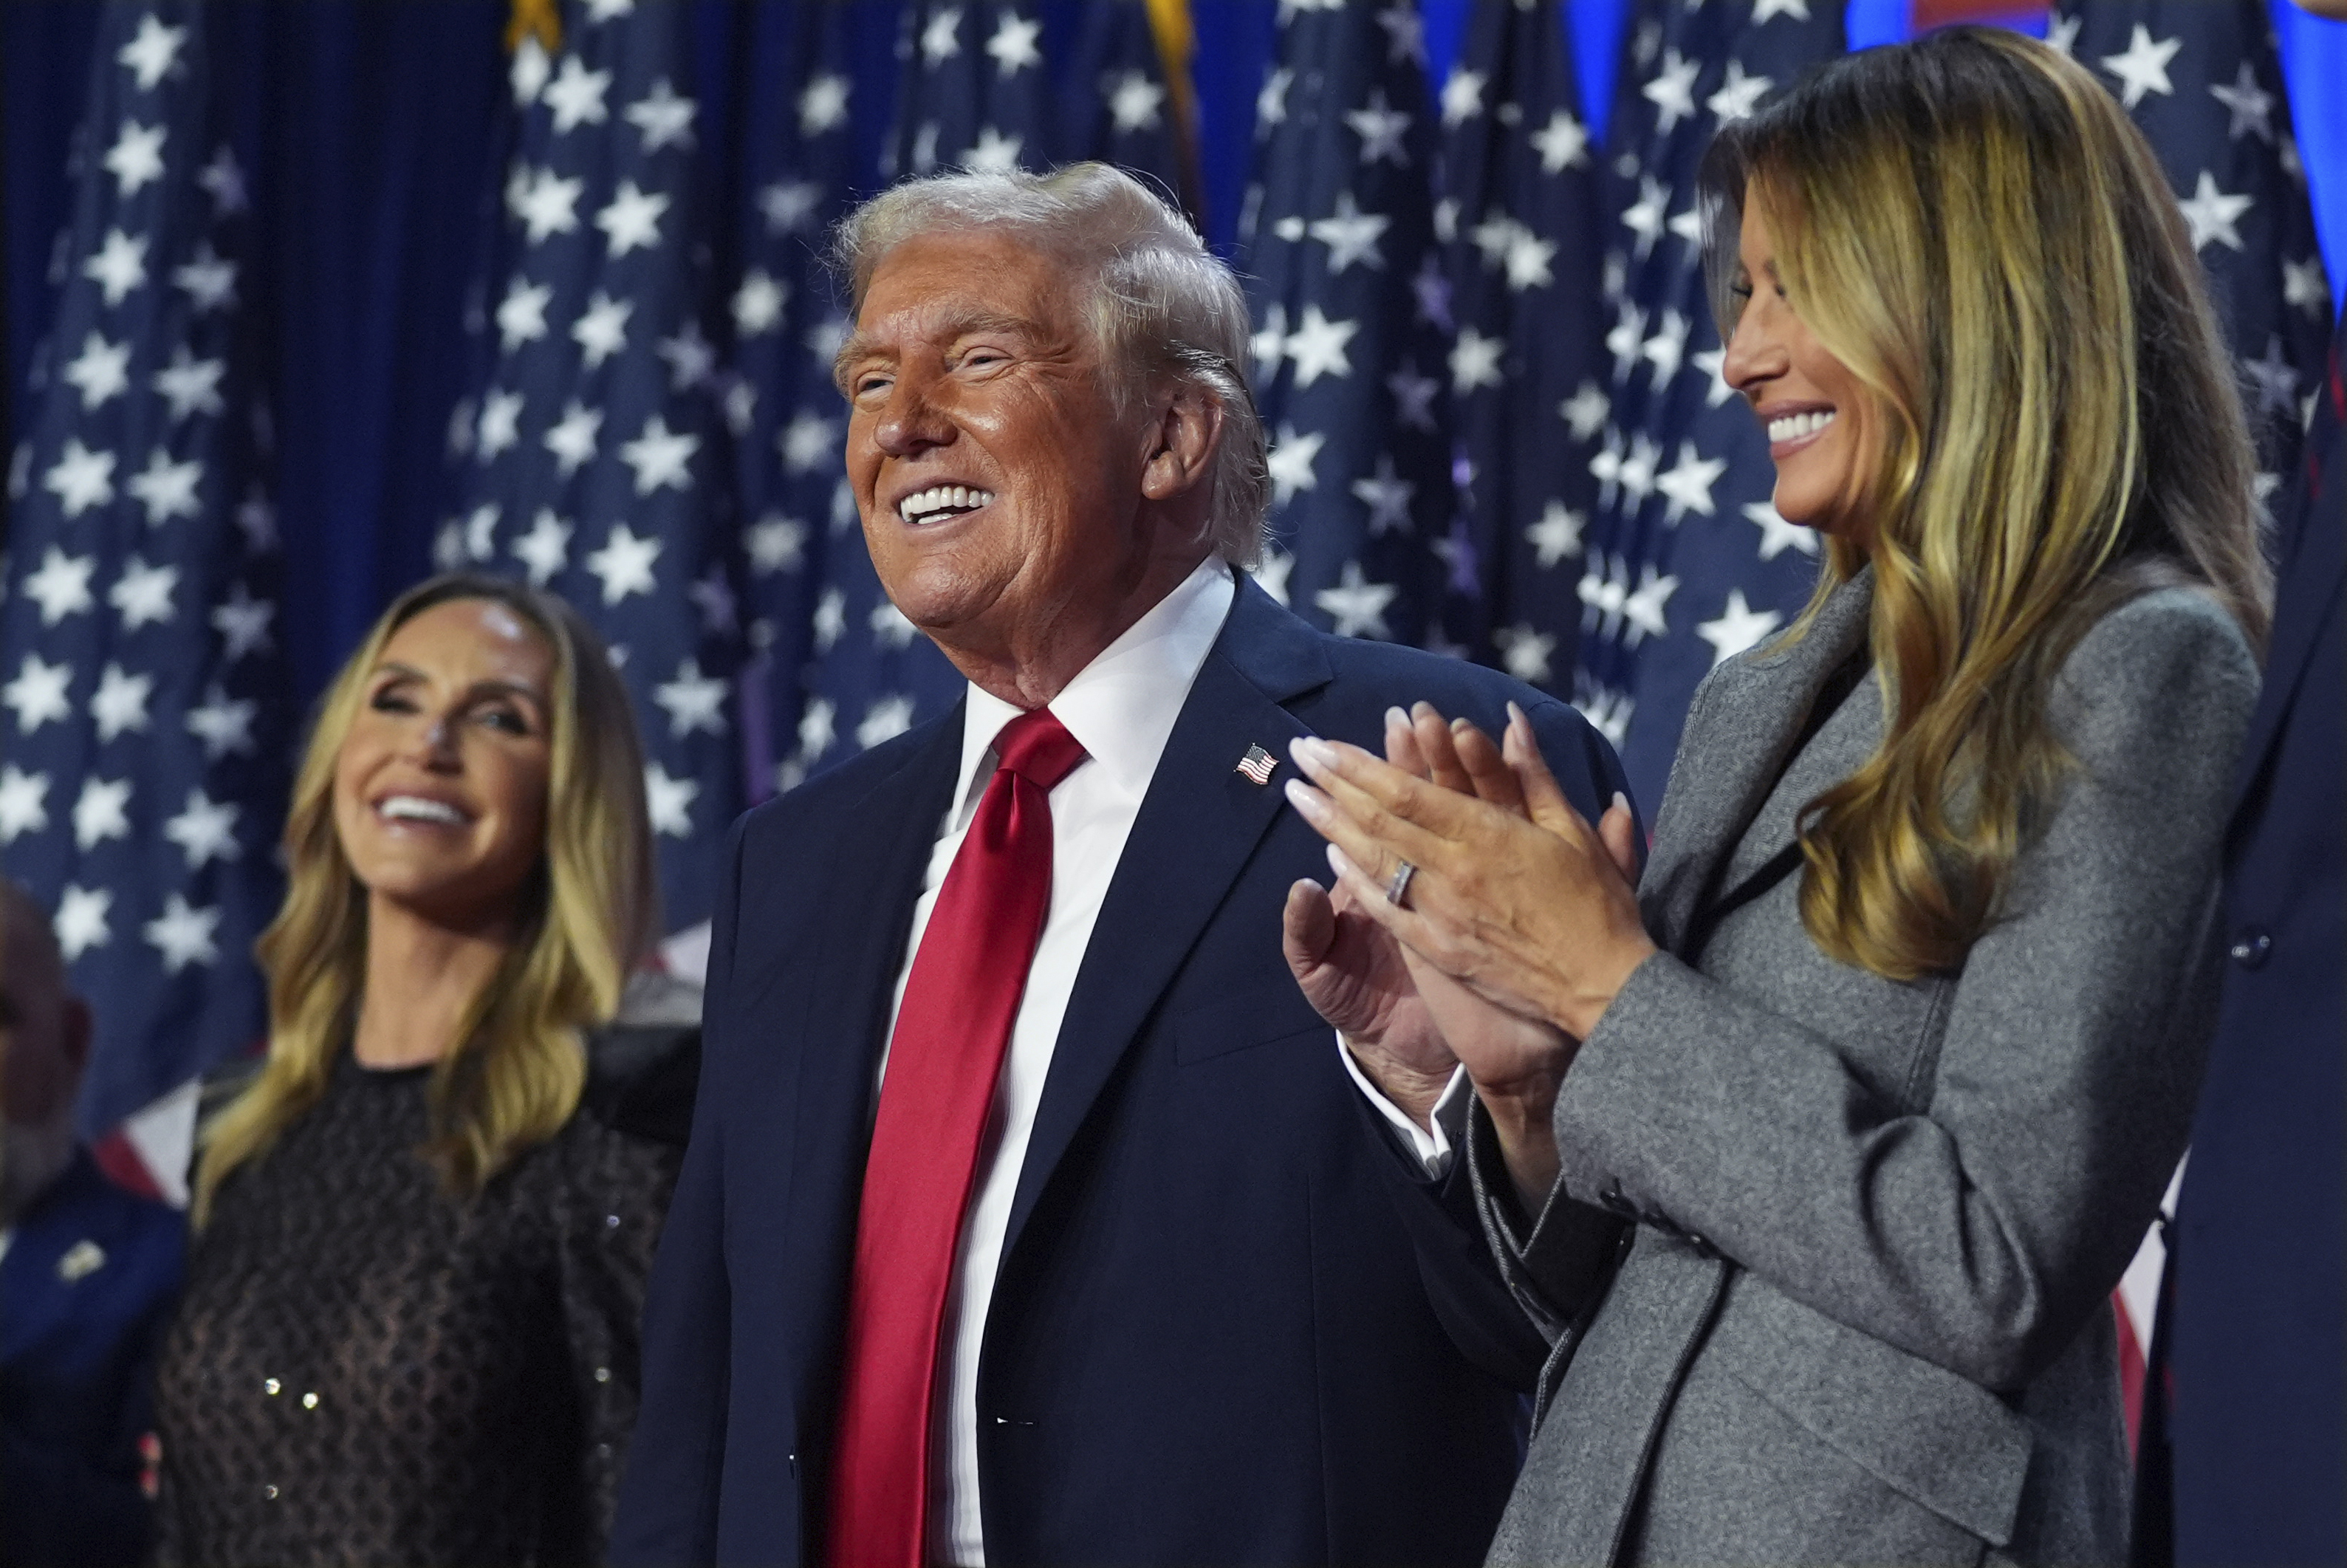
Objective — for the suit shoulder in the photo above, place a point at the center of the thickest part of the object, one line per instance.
(1388, 673)
(1368, 678)
(87, 1202)
(837, 788)
(146, 1222)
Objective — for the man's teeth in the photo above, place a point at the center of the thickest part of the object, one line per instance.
(942, 498)
(421, 810)
(1793, 426)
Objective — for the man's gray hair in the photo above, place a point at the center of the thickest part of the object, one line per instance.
(1161, 305)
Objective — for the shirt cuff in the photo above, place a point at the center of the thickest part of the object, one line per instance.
(1432, 1146)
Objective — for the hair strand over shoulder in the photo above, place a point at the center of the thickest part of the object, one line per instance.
(1972, 226)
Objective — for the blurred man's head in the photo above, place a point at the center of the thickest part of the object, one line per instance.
(43, 1046)
(1049, 425)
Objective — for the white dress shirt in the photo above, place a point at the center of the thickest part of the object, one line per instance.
(1430, 1145)
(1121, 708)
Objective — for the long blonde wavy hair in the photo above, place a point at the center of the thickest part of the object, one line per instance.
(516, 1073)
(1970, 224)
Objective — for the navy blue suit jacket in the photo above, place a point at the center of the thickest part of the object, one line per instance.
(2257, 1352)
(84, 1292)
(1232, 1324)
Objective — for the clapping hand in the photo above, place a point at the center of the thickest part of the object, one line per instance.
(1399, 1015)
(1510, 894)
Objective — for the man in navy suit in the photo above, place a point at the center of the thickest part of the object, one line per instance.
(2243, 1458)
(1202, 1303)
(86, 1283)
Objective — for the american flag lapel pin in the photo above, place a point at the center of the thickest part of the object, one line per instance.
(1258, 765)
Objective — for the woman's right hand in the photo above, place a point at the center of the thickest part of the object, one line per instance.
(1498, 1046)
(1514, 776)
(1406, 1022)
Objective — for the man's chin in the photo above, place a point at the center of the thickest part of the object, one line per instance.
(943, 604)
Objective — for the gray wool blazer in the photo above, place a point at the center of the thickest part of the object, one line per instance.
(1827, 1270)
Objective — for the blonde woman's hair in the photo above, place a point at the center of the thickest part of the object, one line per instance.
(515, 1074)
(1972, 226)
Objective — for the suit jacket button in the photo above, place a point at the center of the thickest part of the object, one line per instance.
(2250, 948)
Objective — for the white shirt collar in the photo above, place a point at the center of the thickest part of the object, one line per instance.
(1122, 706)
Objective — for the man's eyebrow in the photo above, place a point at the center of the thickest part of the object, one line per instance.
(988, 321)
(861, 345)
(856, 347)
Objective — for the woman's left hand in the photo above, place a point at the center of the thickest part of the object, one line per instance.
(1536, 915)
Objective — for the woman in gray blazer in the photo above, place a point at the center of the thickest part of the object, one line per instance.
(1817, 1159)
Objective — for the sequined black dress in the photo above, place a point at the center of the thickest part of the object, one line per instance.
(367, 1370)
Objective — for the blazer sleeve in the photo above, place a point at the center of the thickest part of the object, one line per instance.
(1980, 1231)
(667, 1511)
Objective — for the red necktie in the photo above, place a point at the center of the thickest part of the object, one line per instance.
(943, 1060)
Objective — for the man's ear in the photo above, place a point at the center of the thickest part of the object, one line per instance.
(1183, 442)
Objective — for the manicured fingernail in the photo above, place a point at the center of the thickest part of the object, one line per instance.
(1338, 862)
(1621, 800)
(1516, 714)
(1396, 716)
(1311, 752)
(1305, 799)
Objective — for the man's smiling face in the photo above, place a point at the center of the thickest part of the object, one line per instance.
(998, 486)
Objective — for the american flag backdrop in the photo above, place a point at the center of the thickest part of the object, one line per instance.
(977, 92)
(592, 460)
(799, 173)
(2202, 79)
(148, 715)
(1688, 563)
(1482, 343)
(1127, 100)
(1355, 358)
(1519, 217)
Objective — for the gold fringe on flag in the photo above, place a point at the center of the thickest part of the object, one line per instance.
(539, 19)
(1177, 43)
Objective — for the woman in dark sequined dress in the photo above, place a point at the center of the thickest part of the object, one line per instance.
(409, 1334)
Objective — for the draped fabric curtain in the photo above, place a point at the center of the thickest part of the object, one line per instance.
(379, 127)
(380, 121)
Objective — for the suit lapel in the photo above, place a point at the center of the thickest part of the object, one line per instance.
(2310, 576)
(1199, 824)
(1725, 770)
(872, 878)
